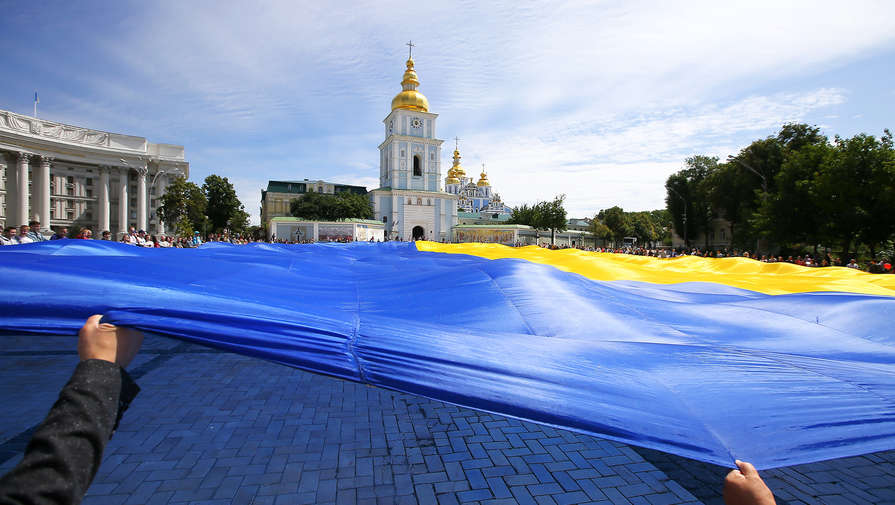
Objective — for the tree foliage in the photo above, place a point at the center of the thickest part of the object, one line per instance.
(225, 211)
(649, 227)
(796, 189)
(183, 206)
(321, 206)
(543, 215)
(688, 197)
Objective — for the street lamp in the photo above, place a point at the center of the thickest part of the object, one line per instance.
(686, 244)
(764, 186)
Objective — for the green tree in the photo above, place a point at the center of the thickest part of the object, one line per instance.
(855, 188)
(224, 210)
(616, 220)
(524, 214)
(662, 221)
(792, 212)
(324, 207)
(542, 216)
(599, 230)
(553, 216)
(687, 195)
(739, 189)
(183, 206)
(643, 228)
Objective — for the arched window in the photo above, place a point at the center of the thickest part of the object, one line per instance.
(409, 202)
(417, 168)
(419, 201)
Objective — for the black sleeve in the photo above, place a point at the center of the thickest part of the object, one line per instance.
(64, 454)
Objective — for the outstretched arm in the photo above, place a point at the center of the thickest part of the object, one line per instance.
(65, 452)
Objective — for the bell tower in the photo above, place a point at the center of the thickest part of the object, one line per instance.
(410, 155)
(410, 200)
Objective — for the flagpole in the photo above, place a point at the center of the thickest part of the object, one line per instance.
(36, 101)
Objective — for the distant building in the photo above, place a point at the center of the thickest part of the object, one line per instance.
(70, 176)
(518, 234)
(579, 224)
(293, 229)
(474, 197)
(278, 196)
(483, 217)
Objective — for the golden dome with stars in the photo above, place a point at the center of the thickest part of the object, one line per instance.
(410, 98)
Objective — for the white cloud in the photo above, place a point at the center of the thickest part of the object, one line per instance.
(625, 161)
(599, 100)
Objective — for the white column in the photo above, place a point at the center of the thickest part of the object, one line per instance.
(21, 205)
(123, 215)
(162, 186)
(9, 209)
(42, 192)
(142, 222)
(104, 207)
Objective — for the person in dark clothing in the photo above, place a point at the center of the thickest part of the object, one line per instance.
(65, 452)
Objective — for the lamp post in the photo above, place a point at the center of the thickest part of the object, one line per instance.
(686, 244)
(764, 186)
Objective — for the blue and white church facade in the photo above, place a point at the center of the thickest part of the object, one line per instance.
(410, 200)
(473, 197)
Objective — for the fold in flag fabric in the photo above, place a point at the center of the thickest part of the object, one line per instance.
(708, 359)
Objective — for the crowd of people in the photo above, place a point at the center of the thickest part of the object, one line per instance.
(877, 266)
(29, 233)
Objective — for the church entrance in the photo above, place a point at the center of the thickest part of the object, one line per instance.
(418, 232)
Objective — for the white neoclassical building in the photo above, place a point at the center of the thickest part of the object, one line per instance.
(67, 176)
(410, 200)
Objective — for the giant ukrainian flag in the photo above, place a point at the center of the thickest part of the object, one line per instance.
(709, 359)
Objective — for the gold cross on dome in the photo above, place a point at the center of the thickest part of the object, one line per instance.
(410, 45)
(456, 143)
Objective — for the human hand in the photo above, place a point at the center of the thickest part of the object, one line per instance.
(744, 486)
(108, 342)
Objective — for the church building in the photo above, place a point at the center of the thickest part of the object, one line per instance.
(476, 198)
(410, 200)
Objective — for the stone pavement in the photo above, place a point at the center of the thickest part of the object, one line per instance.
(215, 428)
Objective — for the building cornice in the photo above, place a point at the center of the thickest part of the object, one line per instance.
(18, 131)
(410, 138)
(416, 192)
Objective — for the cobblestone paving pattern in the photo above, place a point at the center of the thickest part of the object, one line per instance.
(215, 428)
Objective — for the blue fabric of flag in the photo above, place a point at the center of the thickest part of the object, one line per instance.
(702, 370)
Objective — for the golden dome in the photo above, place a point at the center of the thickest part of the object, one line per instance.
(459, 173)
(410, 98)
(483, 179)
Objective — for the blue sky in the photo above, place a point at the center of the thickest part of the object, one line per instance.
(597, 100)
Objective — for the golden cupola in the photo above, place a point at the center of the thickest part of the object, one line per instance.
(456, 171)
(410, 98)
(483, 179)
(452, 177)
